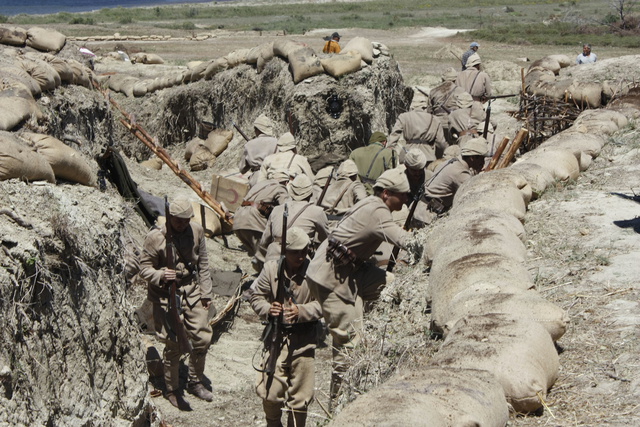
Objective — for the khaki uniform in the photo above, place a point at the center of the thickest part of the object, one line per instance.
(255, 151)
(372, 161)
(421, 130)
(305, 215)
(476, 82)
(446, 180)
(342, 194)
(293, 381)
(248, 222)
(445, 96)
(341, 289)
(465, 122)
(191, 246)
(294, 163)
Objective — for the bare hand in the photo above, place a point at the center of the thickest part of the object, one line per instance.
(206, 303)
(291, 312)
(275, 309)
(169, 275)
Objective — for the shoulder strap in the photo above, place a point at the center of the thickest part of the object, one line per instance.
(474, 82)
(449, 162)
(344, 190)
(372, 162)
(296, 216)
(291, 161)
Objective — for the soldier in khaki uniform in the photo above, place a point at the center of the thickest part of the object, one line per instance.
(449, 176)
(477, 83)
(194, 287)
(374, 159)
(320, 181)
(345, 191)
(419, 129)
(256, 149)
(287, 158)
(464, 123)
(340, 275)
(250, 219)
(291, 385)
(442, 100)
(302, 214)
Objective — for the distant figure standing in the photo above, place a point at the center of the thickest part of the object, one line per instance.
(473, 48)
(332, 45)
(586, 57)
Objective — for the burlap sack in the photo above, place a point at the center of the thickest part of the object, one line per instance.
(266, 55)
(61, 66)
(16, 103)
(201, 159)
(590, 144)
(211, 223)
(237, 57)
(519, 353)
(587, 94)
(533, 77)
(552, 89)
(12, 73)
(191, 147)
(47, 77)
(17, 160)
(614, 117)
(140, 88)
(67, 163)
(430, 396)
(562, 164)
(196, 71)
(45, 40)
(285, 47)
(218, 140)
(486, 298)
(152, 58)
(339, 65)
(13, 36)
(497, 178)
(265, 49)
(304, 64)
(538, 177)
(123, 83)
(563, 60)
(80, 73)
(153, 163)
(361, 45)
(546, 63)
(219, 64)
(501, 198)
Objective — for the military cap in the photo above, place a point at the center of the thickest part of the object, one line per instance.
(377, 137)
(474, 147)
(300, 188)
(449, 75)
(474, 44)
(264, 124)
(286, 142)
(393, 180)
(181, 208)
(473, 60)
(334, 35)
(297, 239)
(348, 168)
(322, 175)
(416, 159)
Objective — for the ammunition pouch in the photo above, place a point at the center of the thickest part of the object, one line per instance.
(436, 206)
(339, 254)
(265, 208)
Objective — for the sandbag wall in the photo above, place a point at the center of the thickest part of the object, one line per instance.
(496, 326)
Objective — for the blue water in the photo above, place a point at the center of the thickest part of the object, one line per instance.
(16, 7)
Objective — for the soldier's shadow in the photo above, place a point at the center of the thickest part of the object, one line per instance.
(629, 223)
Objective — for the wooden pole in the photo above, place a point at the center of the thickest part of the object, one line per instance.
(517, 141)
(496, 156)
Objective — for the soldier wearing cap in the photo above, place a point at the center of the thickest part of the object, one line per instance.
(250, 219)
(373, 159)
(340, 275)
(256, 149)
(477, 83)
(195, 290)
(332, 45)
(415, 167)
(473, 48)
(442, 100)
(419, 129)
(320, 181)
(291, 386)
(464, 123)
(287, 158)
(345, 191)
(302, 214)
(448, 177)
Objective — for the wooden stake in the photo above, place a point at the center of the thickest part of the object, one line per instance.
(496, 156)
(517, 141)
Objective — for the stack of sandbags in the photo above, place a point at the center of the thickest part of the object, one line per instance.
(17, 160)
(45, 40)
(66, 163)
(303, 61)
(341, 64)
(202, 154)
(16, 97)
(13, 36)
(361, 45)
(146, 58)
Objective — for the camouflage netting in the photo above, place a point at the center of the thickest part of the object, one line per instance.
(71, 354)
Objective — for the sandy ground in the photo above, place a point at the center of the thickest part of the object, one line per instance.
(583, 244)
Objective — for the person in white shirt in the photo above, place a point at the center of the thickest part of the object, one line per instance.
(586, 57)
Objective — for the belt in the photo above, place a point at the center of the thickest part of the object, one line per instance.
(245, 203)
(367, 180)
(416, 141)
(340, 254)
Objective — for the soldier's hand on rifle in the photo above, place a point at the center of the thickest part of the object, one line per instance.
(206, 303)
(169, 275)
(275, 309)
(291, 312)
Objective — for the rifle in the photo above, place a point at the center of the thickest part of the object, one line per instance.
(326, 185)
(244, 135)
(407, 224)
(274, 337)
(486, 122)
(175, 322)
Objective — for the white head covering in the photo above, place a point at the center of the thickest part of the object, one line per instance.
(300, 188)
(393, 180)
(322, 176)
(264, 124)
(416, 159)
(297, 239)
(473, 60)
(347, 168)
(474, 147)
(449, 75)
(286, 142)
(181, 208)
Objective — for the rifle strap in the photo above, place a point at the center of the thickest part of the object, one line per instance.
(291, 161)
(345, 188)
(372, 162)
(473, 83)
(446, 98)
(449, 162)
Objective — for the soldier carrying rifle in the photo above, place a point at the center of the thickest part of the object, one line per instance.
(175, 264)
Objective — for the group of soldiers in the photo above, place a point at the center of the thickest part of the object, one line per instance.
(333, 225)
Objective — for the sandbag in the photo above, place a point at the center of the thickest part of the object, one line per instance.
(196, 71)
(304, 64)
(218, 140)
(80, 74)
(191, 147)
(563, 60)
(152, 58)
(430, 396)
(552, 89)
(67, 163)
(123, 83)
(361, 45)
(562, 164)
(532, 78)
(339, 65)
(13, 73)
(519, 353)
(486, 298)
(47, 77)
(264, 50)
(19, 161)
(588, 116)
(266, 55)
(546, 63)
(588, 94)
(538, 177)
(13, 36)
(237, 57)
(500, 198)
(490, 180)
(153, 163)
(45, 40)
(61, 66)
(201, 159)
(285, 47)
(211, 223)
(215, 67)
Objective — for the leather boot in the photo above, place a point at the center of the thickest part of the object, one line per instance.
(199, 391)
(176, 399)
(297, 418)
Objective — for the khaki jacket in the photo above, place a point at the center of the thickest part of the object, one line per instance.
(373, 160)
(344, 194)
(192, 246)
(446, 180)
(466, 119)
(476, 82)
(255, 151)
(362, 230)
(444, 95)
(312, 220)
(419, 129)
(294, 163)
(248, 217)
(265, 290)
